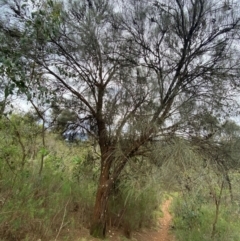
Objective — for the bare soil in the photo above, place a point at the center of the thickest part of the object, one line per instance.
(161, 233)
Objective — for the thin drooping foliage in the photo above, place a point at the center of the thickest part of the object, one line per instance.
(132, 71)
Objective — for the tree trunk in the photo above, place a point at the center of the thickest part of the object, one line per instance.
(217, 205)
(98, 225)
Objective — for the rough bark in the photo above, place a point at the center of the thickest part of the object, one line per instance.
(98, 226)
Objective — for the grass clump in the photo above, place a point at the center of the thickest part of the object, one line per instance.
(37, 207)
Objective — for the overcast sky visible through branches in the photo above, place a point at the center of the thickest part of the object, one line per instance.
(6, 16)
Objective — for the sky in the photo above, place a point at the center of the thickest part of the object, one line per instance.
(22, 105)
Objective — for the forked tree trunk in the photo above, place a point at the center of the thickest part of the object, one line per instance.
(98, 225)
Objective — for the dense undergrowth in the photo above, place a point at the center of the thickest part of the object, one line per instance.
(48, 188)
(208, 214)
(51, 203)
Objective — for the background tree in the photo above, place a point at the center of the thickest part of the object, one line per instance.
(136, 70)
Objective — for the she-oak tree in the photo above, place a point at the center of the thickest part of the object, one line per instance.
(134, 69)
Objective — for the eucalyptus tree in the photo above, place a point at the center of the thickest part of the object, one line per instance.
(136, 70)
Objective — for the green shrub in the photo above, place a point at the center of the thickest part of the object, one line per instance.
(197, 225)
(135, 204)
(36, 207)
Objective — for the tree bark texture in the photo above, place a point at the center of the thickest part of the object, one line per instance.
(99, 220)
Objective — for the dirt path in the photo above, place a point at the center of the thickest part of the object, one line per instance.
(163, 233)
(165, 223)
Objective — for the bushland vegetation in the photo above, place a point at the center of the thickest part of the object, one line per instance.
(146, 81)
(59, 200)
(54, 203)
(206, 209)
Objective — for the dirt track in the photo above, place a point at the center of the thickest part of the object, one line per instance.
(163, 233)
(165, 223)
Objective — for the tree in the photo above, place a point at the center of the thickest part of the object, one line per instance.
(190, 53)
(136, 70)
